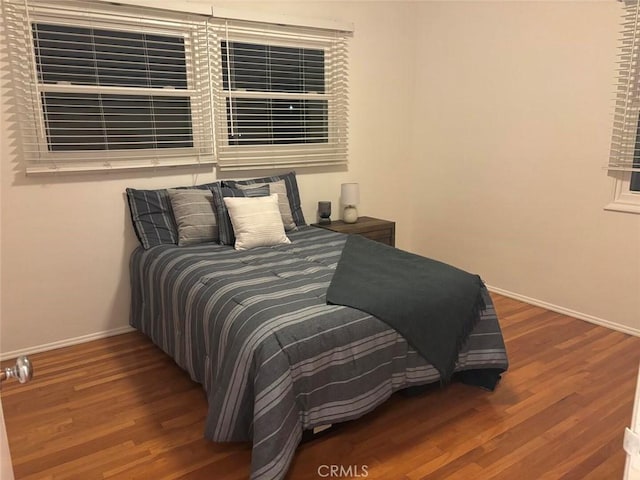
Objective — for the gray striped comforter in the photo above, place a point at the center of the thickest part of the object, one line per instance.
(253, 327)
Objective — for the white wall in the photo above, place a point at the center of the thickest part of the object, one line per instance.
(512, 122)
(66, 240)
(480, 127)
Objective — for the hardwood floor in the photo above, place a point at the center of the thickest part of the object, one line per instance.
(119, 408)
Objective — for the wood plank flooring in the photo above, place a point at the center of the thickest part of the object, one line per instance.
(120, 409)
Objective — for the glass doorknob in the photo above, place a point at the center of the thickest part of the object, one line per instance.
(23, 370)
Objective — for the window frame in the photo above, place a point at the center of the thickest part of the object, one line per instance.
(624, 199)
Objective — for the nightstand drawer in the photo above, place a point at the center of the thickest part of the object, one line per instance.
(382, 236)
(382, 231)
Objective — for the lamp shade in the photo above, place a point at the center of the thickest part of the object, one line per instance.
(350, 193)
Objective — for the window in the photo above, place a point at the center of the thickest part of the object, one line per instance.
(280, 96)
(111, 87)
(265, 69)
(624, 161)
(81, 56)
(101, 85)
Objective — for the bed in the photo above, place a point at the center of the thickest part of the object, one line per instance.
(253, 327)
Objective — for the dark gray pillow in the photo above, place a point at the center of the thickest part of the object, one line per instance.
(152, 216)
(292, 191)
(225, 228)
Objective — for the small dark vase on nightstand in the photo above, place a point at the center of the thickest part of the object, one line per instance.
(324, 212)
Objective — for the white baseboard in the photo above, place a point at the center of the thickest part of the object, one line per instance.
(532, 301)
(566, 311)
(65, 343)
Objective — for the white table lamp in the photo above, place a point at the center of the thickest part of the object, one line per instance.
(350, 193)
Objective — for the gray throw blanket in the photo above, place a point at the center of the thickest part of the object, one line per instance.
(433, 305)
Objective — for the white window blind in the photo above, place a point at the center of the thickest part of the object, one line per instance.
(625, 144)
(100, 86)
(280, 95)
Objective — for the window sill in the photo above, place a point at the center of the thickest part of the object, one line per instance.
(113, 166)
(624, 200)
(621, 206)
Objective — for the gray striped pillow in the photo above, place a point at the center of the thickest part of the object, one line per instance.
(279, 188)
(194, 216)
(152, 217)
(292, 191)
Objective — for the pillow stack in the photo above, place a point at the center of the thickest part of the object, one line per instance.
(225, 224)
(245, 213)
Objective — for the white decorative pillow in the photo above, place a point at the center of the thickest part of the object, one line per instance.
(256, 221)
(280, 188)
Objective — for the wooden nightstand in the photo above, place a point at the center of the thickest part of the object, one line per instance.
(382, 231)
